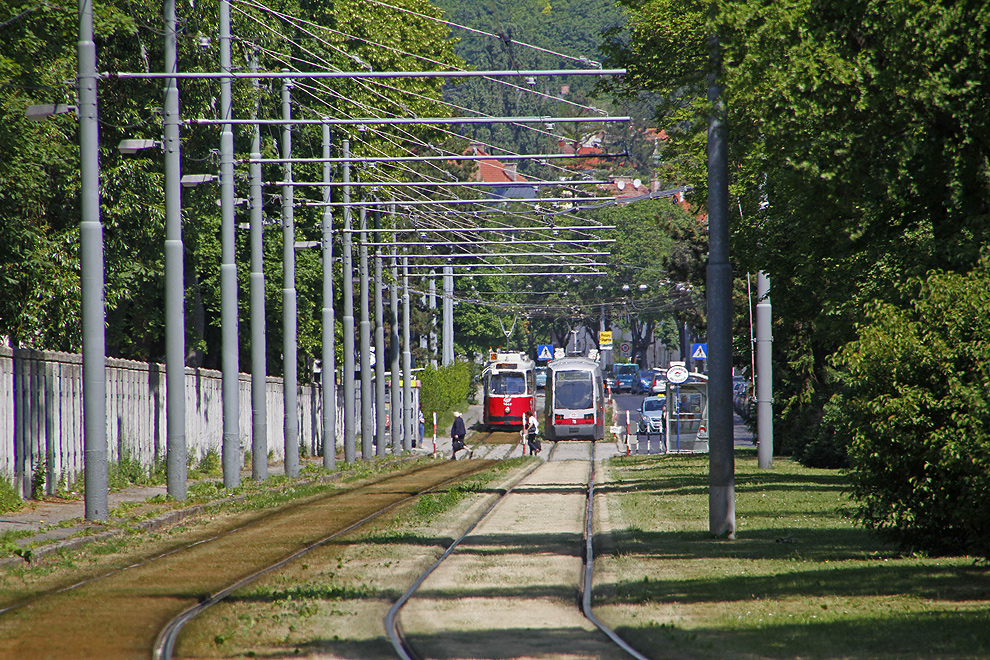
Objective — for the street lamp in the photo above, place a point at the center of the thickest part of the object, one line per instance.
(41, 112)
(133, 146)
(193, 180)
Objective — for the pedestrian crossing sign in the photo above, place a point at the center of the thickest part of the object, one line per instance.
(700, 352)
(544, 351)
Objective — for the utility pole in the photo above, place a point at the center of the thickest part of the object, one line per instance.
(407, 411)
(259, 342)
(395, 352)
(329, 380)
(228, 268)
(175, 288)
(379, 349)
(721, 460)
(367, 418)
(290, 363)
(448, 315)
(93, 308)
(347, 273)
(764, 372)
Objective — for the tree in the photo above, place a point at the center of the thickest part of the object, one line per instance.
(915, 410)
(39, 262)
(858, 143)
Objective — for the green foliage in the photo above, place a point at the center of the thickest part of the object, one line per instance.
(128, 471)
(209, 465)
(915, 412)
(9, 499)
(443, 388)
(857, 156)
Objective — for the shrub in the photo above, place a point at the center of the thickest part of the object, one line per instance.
(9, 499)
(915, 411)
(444, 388)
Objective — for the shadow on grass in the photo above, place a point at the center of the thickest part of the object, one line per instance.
(915, 636)
(812, 577)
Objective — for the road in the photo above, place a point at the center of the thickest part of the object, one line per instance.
(741, 434)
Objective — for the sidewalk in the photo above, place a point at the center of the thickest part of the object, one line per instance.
(56, 522)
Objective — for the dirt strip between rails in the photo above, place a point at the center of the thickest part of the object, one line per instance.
(511, 589)
(118, 616)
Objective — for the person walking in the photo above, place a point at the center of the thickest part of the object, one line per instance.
(457, 433)
(532, 433)
(422, 425)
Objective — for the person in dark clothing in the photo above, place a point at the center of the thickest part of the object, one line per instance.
(457, 433)
(532, 428)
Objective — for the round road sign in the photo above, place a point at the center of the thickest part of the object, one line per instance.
(677, 374)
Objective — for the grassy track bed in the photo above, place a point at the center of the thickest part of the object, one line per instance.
(801, 580)
(118, 614)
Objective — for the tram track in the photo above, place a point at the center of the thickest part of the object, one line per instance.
(407, 650)
(116, 614)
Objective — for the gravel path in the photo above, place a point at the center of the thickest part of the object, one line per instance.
(511, 589)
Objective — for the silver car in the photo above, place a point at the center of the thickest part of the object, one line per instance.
(651, 414)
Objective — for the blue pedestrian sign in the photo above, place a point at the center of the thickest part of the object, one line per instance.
(699, 351)
(544, 351)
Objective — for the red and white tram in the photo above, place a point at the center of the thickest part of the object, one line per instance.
(509, 381)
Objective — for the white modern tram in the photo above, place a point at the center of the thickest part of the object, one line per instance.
(575, 399)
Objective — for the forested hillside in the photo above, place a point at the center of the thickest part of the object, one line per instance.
(571, 28)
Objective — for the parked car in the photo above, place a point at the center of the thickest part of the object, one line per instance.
(625, 376)
(541, 377)
(651, 414)
(658, 385)
(644, 382)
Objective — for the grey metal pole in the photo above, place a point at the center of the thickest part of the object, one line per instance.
(259, 342)
(379, 350)
(175, 340)
(395, 350)
(433, 318)
(290, 424)
(407, 430)
(329, 380)
(347, 273)
(367, 417)
(93, 313)
(448, 315)
(721, 460)
(230, 384)
(764, 372)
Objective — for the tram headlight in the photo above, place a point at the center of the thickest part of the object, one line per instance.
(508, 409)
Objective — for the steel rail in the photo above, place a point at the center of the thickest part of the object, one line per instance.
(392, 627)
(589, 567)
(401, 644)
(165, 641)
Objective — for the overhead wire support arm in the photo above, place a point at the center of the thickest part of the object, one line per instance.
(485, 200)
(388, 121)
(308, 75)
(445, 230)
(442, 184)
(581, 241)
(424, 159)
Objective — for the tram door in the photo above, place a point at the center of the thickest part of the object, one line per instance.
(687, 417)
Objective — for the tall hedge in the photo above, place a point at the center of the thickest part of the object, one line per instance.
(443, 388)
(915, 411)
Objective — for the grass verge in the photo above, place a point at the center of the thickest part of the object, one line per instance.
(800, 581)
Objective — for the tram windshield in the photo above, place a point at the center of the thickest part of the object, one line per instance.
(573, 390)
(508, 383)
